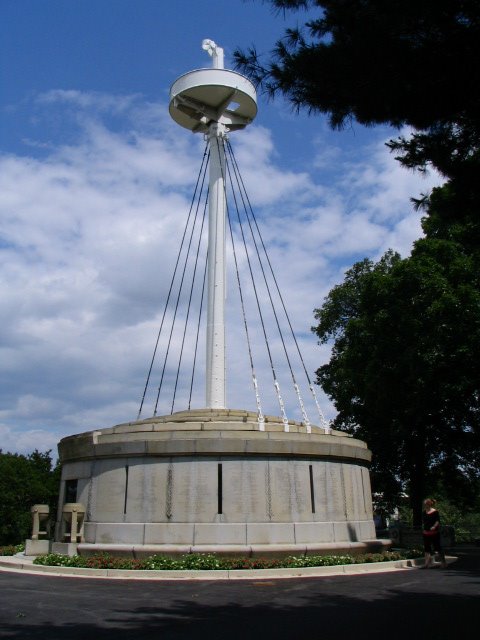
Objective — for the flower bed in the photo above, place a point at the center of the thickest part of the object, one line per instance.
(195, 561)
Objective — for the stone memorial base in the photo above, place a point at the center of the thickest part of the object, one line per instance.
(212, 481)
(65, 548)
(37, 547)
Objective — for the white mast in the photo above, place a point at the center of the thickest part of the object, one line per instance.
(215, 369)
(214, 101)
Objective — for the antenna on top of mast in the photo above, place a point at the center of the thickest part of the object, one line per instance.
(215, 52)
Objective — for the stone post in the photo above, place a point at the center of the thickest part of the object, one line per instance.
(74, 514)
(34, 546)
(40, 513)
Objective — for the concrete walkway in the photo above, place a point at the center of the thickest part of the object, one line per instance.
(24, 564)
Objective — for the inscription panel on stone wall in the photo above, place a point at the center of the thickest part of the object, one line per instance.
(335, 493)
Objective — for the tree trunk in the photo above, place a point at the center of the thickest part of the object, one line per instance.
(417, 478)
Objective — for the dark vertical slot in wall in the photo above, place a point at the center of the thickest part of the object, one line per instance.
(71, 488)
(220, 489)
(126, 489)
(312, 489)
(169, 492)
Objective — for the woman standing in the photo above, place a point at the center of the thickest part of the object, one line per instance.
(431, 533)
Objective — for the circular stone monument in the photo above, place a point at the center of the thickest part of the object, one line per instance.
(218, 480)
(211, 481)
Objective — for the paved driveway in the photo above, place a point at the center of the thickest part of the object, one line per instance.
(411, 603)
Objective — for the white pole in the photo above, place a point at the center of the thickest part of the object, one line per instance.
(215, 374)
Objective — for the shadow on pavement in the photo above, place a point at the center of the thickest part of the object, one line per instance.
(430, 604)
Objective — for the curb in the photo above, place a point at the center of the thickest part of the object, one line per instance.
(15, 564)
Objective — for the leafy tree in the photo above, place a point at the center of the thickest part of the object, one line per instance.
(404, 371)
(25, 481)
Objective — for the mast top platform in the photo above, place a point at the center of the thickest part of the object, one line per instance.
(216, 95)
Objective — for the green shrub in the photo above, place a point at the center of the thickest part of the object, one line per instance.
(11, 549)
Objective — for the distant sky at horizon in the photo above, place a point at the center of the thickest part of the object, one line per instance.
(95, 183)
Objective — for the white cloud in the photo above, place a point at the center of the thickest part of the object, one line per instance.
(16, 441)
(85, 100)
(267, 183)
(90, 231)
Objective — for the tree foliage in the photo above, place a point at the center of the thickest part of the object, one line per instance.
(405, 62)
(404, 372)
(25, 481)
(399, 62)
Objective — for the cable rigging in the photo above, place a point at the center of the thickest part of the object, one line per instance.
(244, 214)
(244, 192)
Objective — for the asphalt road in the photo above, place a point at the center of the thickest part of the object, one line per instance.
(435, 604)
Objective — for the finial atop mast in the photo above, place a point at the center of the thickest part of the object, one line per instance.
(215, 52)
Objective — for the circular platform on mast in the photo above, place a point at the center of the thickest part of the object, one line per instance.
(211, 481)
(203, 96)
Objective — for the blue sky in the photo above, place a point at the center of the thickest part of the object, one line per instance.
(95, 185)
